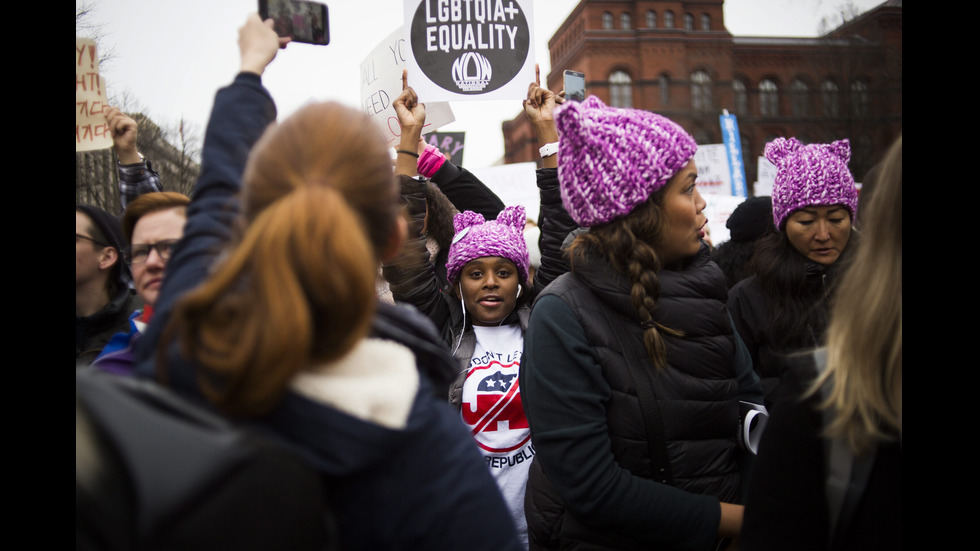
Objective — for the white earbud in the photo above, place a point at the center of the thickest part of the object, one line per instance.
(518, 292)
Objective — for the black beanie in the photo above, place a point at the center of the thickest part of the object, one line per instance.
(751, 219)
(110, 227)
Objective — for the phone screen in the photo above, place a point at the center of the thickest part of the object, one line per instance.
(574, 86)
(300, 20)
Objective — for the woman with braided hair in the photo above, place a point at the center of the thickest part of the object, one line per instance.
(633, 372)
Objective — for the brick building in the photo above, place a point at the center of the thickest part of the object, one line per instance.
(677, 58)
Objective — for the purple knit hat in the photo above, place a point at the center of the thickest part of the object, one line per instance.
(808, 175)
(475, 238)
(610, 160)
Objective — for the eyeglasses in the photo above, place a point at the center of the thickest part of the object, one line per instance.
(92, 239)
(137, 254)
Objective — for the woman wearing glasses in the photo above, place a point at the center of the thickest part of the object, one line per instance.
(152, 225)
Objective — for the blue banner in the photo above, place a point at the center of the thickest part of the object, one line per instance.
(733, 147)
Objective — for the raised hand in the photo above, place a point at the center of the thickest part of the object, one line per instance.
(258, 44)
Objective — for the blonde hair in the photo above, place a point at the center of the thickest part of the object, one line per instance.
(864, 338)
(297, 289)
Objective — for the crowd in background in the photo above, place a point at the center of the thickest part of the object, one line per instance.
(455, 384)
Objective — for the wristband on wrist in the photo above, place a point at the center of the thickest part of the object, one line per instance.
(407, 152)
(548, 149)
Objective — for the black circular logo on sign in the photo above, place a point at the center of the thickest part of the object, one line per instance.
(470, 46)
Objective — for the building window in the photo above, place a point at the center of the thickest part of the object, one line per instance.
(651, 19)
(800, 98)
(664, 89)
(688, 22)
(607, 20)
(859, 98)
(625, 21)
(768, 98)
(668, 19)
(831, 99)
(620, 89)
(741, 97)
(701, 91)
(705, 22)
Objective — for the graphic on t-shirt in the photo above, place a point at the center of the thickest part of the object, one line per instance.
(492, 407)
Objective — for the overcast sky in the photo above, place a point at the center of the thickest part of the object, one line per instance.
(171, 56)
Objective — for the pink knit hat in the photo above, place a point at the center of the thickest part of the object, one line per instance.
(475, 238)
(808, 175)
(611, 160)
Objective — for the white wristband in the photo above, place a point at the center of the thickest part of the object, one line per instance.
(548, 149)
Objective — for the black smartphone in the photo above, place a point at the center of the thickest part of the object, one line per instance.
(301, 20)
(574, 85)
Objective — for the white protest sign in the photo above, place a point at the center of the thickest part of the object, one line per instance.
(381, 83)
(470, 49)
(718, 210)
(714, 177)
(767, 177)
(91, 129)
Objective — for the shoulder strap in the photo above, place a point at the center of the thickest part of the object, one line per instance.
(847, 474)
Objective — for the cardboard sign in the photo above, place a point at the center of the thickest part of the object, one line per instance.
(470, 49)
(381, 83)
(91, 129)
(515, 184)
(450, 143)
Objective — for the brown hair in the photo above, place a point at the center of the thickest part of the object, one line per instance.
(864, 339)
(151, 202)
(630, 244)
(297, 289)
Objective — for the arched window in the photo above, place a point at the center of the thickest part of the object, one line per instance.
(607, 20)
(651, 19)
(620, 89)
(830, 95)
(859, 98)
(664, 89)
(668, 19)
(625, 21)
(705, 22)
(741, 97)
(799, 95)
(688, 22)
(768, 98)
(701, 91)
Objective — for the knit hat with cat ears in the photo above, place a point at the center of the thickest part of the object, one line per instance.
(808, 175)
(475, 238)
(611, 160)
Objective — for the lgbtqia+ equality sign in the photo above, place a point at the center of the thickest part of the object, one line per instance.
(470, 49)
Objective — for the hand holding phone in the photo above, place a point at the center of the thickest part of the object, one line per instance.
(301, 20)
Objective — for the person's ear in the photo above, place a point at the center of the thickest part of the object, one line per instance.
(108, 258)
(396, 239)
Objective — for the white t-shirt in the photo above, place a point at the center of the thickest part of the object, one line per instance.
(491, 408)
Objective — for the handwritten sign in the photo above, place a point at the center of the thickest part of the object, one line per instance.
(91, 129)
(381, 83)
(470, 49)
(450, 143)
(714, 178)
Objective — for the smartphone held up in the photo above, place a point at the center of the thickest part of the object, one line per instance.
(574, 85)
(302, 20)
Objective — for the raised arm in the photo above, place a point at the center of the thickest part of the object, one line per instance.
(136, 175)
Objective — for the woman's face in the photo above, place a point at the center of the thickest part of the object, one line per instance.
(820, 233)
(683, 208)
(488, 286)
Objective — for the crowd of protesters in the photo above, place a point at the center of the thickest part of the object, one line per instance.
(383, 318)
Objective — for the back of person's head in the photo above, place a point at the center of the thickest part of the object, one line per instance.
(320, 208)
(149, 203)
(105, 229)
(614, 165)
(864, 341)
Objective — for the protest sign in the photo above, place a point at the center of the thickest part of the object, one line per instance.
(470, 49)
(515, 184)
(381, 83)
(733, 149)
(450, 143)
(767, 177)
(714, 178)
(719, 208)
(91, 130)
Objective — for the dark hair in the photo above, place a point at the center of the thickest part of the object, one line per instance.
(733, 258)
(106, 229)
(630, 244)
(797, 292)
